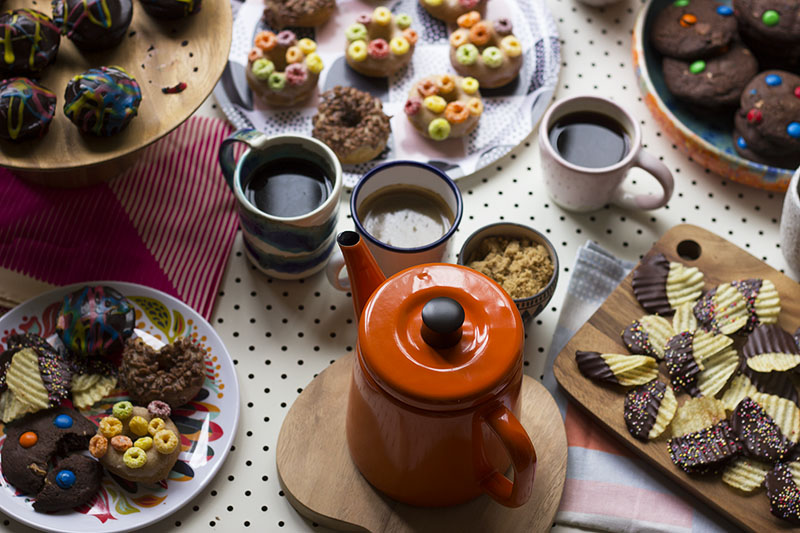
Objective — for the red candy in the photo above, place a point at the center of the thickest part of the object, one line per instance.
(754, 115)
(296, 74)
(468, 4)
(412, 107)
(797, 91)
(378, 48)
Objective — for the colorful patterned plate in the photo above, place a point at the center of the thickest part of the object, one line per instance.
(708, 141)
(207, 424)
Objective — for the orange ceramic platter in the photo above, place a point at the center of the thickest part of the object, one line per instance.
(721, 262)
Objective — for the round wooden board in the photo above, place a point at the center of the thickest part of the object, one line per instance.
(321, 482)
(158, 54)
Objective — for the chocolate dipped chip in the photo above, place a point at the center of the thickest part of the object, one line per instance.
(758, 433)
(93, 24)
(777, 383)
(783, 493)
(681, 364)
(704, 451)
(626, 370)
(649, 408)
(660, 285)
(723, 309)
(771, 349)
(648, 336)
(29, 41)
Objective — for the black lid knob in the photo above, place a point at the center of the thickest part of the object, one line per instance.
(442, 319)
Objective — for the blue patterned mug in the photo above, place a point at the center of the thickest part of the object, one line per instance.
(284, 245)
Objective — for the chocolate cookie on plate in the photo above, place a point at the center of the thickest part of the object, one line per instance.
(772, 28)
(714, 82)
(693, 29)
(768, 119)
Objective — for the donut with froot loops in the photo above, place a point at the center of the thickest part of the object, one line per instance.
(444, 106)
(282, 70)
(450, 10)
(485, 50)
(298, 13)
(151, 458)
(379, 44)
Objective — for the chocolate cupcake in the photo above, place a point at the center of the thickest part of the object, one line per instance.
(29, 41)
(171, 9)
(93, 24)
(26, 109)
(102, 101)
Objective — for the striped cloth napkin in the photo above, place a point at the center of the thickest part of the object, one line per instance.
(607, 487)
(168, 222)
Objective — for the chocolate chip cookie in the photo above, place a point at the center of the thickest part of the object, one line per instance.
(693, 29)
(713, 82)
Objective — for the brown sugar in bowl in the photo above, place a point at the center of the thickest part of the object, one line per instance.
(529, 306)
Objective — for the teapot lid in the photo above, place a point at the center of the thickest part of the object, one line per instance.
(441, 336)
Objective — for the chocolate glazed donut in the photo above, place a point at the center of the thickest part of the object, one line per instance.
(174, 374)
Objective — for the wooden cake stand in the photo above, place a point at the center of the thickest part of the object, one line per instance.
(157, 54)
(322, 483)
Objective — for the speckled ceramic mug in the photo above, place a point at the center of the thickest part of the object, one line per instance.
(790, 224)
(283, 247)
(580, 188)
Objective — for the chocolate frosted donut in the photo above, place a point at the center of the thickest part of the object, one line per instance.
(174, 374)
(29, 40)
(171, 9)
(26, 109)
(93, 24)
(352, 123)
(102, 101)
(301, 13)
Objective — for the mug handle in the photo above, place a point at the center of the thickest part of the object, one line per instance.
(252, 137)
(519, 448)
(651, 164)
(333, 271)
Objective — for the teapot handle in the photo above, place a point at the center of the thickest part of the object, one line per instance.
(253, 138)
(519, 448)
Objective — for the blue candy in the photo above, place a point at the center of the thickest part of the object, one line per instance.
(740, 142)
(725, 11)
(63, 421)
(65, 479)
(793, 129)
(773, 80)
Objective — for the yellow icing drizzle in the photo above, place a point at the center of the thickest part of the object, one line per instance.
(14, 130)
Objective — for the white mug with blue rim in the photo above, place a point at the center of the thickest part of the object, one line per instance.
(282, 240)
(422, 179)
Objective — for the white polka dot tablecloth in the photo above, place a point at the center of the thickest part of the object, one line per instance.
(282, 334)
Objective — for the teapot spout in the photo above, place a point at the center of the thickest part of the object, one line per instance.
(364, 273)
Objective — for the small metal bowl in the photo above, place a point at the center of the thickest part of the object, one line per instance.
(530, 306)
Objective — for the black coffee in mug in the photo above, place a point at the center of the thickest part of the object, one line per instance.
(590, 139)
(288, 187)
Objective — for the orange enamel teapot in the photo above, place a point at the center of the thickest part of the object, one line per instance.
(434, 402)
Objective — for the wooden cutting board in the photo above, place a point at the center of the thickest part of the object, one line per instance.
(322, 483)
(721, 262)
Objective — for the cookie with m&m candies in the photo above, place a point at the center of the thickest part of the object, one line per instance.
(693, 29)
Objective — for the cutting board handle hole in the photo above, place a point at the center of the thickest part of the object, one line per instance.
(689, 250)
